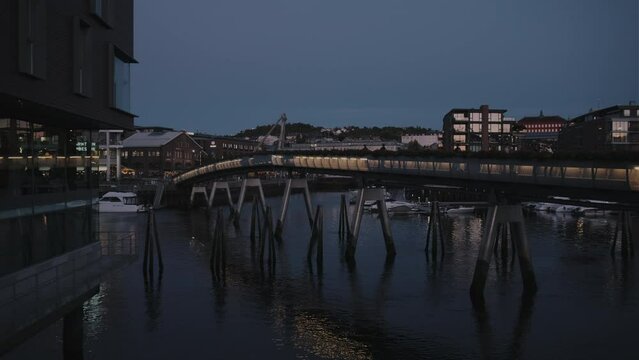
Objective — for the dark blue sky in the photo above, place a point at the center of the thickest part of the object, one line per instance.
(223, 65)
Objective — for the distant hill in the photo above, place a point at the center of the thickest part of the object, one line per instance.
(309, 131)
(292, 128)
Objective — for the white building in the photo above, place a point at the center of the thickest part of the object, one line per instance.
(427, 140)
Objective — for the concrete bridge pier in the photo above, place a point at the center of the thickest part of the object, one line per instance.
(198, 190)
(503, 214)
(368, 195)
(221, 185)
(246, 183)
(290, 185)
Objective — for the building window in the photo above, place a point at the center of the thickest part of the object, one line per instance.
(121, 81)
(32, 36)
(475, 127)
(460, 127)
(82, 75)
(626, 112)
(459, 138)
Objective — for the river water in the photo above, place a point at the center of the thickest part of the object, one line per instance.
(587, 306)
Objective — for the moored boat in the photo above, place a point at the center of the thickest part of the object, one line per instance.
(115, 201)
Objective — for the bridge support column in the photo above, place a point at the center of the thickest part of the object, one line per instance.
(374, 195)
(503, 214)
(221, 185)
(290, 185)
(246, 183)
(199, 190)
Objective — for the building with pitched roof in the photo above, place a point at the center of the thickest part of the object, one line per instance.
(540, 133)
(160, 153)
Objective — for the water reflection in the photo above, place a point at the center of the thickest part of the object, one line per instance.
(403, 307)
(153, 300)
(485, 329)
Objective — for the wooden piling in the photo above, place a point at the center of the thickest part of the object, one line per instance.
(157, 241)
(253, 218)
(313, 240)
(147, 242)
(320, 237)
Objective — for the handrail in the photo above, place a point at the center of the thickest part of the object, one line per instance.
(556, 173)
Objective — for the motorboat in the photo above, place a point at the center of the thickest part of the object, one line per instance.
(114, 201)
(566, 209)
(548, 207)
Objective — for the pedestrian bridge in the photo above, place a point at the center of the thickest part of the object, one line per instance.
(599, 180)
(512, 178)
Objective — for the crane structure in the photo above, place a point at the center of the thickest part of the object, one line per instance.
(282, 123)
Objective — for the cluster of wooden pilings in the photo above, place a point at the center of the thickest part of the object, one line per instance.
(503, 222)
(262, 232)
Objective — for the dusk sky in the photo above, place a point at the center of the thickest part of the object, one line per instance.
(220, 66)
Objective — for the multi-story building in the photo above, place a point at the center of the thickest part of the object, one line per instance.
(615, 128)
(218, 148)
(160, 153)
(539, 133)
(64, 75)
(482, 129)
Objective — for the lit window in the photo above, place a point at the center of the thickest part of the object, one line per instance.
(626, 112)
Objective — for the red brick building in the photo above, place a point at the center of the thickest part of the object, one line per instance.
(160, 153)
(540, 133)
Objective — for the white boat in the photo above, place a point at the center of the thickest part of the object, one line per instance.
(566, 209)
(394, 206)
(549, 207)
(114, 201)
(461, 210)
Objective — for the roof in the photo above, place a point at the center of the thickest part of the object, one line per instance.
(490, 110)
(152, 139)
(605, 111)
(541, 120)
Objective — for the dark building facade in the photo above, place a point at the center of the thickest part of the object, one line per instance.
(614, 128)
(160, 153)
(540, 133)
(64, 74)
(482, 129)
(218, 148)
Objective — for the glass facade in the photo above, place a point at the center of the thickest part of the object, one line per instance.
(48, 192)
(122, 84)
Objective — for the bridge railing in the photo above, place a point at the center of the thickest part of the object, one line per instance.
(576, 174)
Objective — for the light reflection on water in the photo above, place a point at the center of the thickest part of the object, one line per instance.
(411, 307)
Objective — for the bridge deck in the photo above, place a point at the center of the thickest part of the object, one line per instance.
(620, 178)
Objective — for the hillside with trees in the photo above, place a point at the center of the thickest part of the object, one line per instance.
(356, 132)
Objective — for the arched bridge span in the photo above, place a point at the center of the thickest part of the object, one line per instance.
(592, 180)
